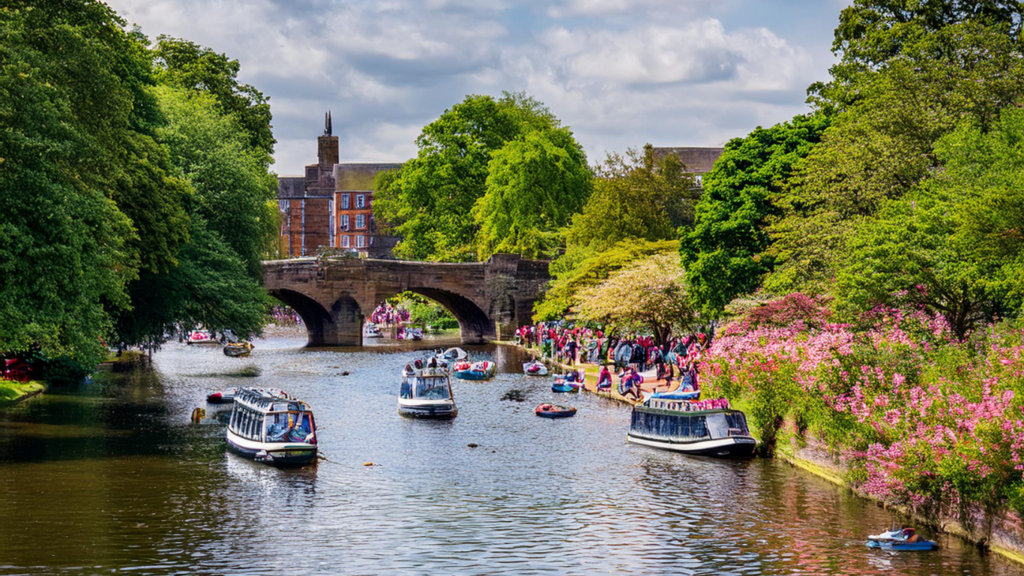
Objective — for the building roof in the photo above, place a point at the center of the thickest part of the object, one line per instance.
(696, 160)
(358, 176)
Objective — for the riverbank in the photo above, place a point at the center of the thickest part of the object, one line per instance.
(13, 392)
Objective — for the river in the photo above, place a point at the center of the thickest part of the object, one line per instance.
(113, 477)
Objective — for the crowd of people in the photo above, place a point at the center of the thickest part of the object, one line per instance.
(388, 315)
(285, 316)
(628, 355)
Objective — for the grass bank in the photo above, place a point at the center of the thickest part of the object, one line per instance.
(13, 392)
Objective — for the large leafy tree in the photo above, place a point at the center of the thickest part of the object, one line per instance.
(73, 113)
(535, 184)
(953, 246)
(189, 66)
(724, 252)
(881, 144)
(648, 295)
(563, 292)
(429, 201)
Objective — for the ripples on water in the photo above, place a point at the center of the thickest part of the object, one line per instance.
(114, 478)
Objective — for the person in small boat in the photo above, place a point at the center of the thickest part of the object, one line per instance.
(910, 535)
(604, 379)
(571, 377)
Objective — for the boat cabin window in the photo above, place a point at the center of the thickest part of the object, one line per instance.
(406, 389)
(288, 426)
(670, 425)
(432, 388)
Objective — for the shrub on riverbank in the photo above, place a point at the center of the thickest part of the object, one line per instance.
(918, 417)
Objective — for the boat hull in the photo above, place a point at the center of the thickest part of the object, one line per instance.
(282, 454)
(565, 388)
(568, 413)
(920, 545)
(430, 411)
(733, 447)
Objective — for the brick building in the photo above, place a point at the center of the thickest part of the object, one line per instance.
(697, 161)
(331, 205)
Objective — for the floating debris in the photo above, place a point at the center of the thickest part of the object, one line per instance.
(472, 444)
(515, 395)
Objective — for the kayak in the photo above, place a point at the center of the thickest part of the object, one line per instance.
(554, 411)
(901, 539)
(535, 368)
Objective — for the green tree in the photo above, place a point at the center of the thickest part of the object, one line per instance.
(952, 246)
(881, 144)
(429, 202)
(650, 294)
(563, 292)
(186, 65)
(724, 252)
(534, 185)
(69, 81)
(635, 196)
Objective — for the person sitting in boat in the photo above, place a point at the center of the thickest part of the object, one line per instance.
(604, 379)
(910, 535)
(571, 377)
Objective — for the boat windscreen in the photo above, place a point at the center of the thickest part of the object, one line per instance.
(289, 426)
(432, 388)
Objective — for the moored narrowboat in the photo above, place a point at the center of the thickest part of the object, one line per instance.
(706, 428)
(270, 426)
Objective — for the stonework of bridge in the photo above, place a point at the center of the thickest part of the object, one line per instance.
(333, 296)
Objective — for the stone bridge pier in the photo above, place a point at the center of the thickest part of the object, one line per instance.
(333, 296)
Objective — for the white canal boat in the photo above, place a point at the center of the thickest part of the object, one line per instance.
(270, 426)
(704, 428)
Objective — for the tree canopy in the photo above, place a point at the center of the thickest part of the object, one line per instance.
(429, 202)
(99, 214)
(724, 252)
(649, 294)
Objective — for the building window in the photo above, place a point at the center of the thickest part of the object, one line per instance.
(361, 241)
(360, 201)
(344, 222)
(360, 221)
(344, 201)
(344, 241)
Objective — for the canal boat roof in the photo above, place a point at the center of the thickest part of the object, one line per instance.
(679, 407)
(267, 401)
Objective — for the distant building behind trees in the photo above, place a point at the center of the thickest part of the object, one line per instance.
(331, 205)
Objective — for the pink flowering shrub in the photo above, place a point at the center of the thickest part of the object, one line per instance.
(920, 418)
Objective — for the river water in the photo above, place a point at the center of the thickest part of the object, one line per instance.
(113, 477)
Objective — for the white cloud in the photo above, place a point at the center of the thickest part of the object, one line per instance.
(620, 72)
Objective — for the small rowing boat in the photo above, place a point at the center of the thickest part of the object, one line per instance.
(222, 397)
(555, 411)
(238, 349)
(535, 368)
(484, 370)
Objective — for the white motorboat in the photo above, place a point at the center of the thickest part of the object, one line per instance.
(426, 392)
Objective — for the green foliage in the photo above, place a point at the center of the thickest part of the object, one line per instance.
(429, 202)
(424, 312)
(63, 242)
(635, 196)
(881, 145)
(649, 294)
(234, 193)
(724, 252)
(197, 69)
(562, 293)
(951, 246)
(534, 185)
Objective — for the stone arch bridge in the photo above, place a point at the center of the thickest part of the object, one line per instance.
(333, 296)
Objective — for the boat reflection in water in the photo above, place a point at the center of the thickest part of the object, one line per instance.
(705, 428)
(270, 426)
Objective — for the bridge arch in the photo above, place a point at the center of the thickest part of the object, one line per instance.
(320, 326)
(475, 325)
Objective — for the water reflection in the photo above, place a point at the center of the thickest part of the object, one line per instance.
(114, 477)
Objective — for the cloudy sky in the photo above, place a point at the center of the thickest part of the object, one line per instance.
(618, 72)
